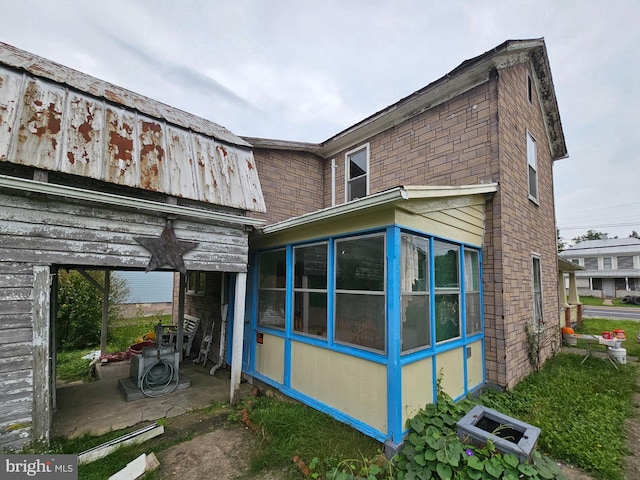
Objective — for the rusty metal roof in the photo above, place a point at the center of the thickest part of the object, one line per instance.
(56, 118)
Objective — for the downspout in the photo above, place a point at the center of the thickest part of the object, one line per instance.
(333, 182)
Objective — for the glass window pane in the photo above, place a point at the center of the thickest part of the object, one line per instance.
(473, 313)
(447, 317)
(310, 313)
(358, 163)
(271, 308)
(272, 268)
(446, 265)
(360, 263)
(415, 271)
(360, 320)
(357, 188)
(415, 322)
(311, 266)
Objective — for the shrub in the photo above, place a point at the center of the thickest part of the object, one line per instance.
(79, 308)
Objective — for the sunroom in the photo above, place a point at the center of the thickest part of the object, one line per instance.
(358, 309)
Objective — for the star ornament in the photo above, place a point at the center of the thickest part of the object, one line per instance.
(166, 250)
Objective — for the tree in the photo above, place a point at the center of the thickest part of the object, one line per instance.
(562, 243)
(79, 312)
(634, 234)
(590, 235)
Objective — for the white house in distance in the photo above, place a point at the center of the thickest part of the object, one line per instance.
(611, 266)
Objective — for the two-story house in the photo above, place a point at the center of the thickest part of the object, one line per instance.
(417, 244)
(611, 266)
(413, 248)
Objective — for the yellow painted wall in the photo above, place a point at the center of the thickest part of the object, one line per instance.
(461, 219)
(351, 385)
(270, 357)
(417, 387)
(474, 365)
(451, 363)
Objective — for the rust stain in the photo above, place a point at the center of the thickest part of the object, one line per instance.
(151, 127)
(123, 145)
(54, 143)
(222, 149)
(86, 128)
(71, 158)
(37, 103)
(249, 165)
(113, 96)
(54, 119)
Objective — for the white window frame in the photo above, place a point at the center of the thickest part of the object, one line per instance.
(347, 161)
(538, 323)
(532, 164)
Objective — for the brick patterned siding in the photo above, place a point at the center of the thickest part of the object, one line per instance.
(292, 183)
(526, 228)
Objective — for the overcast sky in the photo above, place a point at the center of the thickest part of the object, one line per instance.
(305, 70)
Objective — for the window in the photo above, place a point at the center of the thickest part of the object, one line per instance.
(606, 263)
(472, 291)
(625, 262)
(272, 288)
(533, 168)
(416, 331)
(360, 293)
(196, 283)
(310, 289)
(447, 291)
(538, 320)
(357, 175)
(591, 263)
(529, 89)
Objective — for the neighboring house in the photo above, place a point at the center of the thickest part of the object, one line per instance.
(611, 266)
(148, 293)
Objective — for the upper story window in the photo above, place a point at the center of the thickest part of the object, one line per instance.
(625, 262)
(591, 263)
(529, 89)
(357, 174)
(532, 163)
(607, 264)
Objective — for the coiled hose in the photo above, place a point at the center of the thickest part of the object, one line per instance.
(155, 380)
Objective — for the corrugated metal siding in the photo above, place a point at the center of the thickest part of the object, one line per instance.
(120, 137)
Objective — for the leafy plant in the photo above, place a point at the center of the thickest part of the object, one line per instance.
(434, 450)
(79, 312)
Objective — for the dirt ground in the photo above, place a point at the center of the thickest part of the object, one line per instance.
(220, 449)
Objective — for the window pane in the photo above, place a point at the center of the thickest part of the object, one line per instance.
(360, 264)
(607, 263)
(415, 322)
(272, 267)
(415, 255)
(446, 265)
(358, 163)
(360, 320)
(357, 188)
(311, 267)
(271, 308)
(472, 291)
(473, 313)
(533, 183)
(538, 319)
(310, 313)
(447, 317)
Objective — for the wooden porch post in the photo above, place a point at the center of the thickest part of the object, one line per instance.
(41, 422)
(238, 335)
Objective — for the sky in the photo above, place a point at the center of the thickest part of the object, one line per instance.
(305, 70)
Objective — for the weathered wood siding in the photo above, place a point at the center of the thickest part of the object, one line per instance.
(43, 232)
(16, 348)
(35, 233)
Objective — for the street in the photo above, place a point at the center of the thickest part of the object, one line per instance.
(618, 313)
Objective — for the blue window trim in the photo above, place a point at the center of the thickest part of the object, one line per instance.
(393, 358)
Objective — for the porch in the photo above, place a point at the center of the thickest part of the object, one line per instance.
(99, 407)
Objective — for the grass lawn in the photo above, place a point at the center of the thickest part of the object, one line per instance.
(596, 326)
(599, 302)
